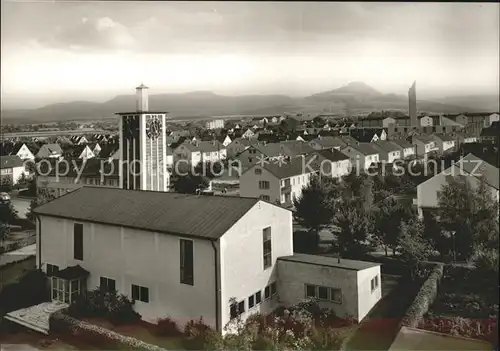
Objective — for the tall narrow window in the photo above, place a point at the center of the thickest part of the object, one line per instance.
(78, 241)
(186, 254)
(266, 234)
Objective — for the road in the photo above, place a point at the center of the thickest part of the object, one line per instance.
(17, 255)
(20, 204)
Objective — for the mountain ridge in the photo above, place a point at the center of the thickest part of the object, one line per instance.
(355, 97)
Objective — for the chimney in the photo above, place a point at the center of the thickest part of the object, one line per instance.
(142, 98)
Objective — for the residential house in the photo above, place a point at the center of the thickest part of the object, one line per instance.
(238, 145)
(225, 140)
(333, 163)
(248, 134)
(470, 169)
(82, 151)
(49, 151)
(424, 145)
(79, 140)
(279, 181)
(327, 143)
(11, 169)
(59, 177)
(215, 124)
(362, 155)
(408, 150)
(19, 149)
(464, 138)
(444, 142)
(388, 151)
(368, 135)
(212, 151)
(426, 121)
(95, 148)
(188, 152)
(491, 134)
(184, 266)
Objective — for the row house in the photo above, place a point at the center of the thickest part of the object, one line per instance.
(83, 152)
(490, 135)
(362, 155)
(200, 151)
(79, 140)
(215, 124)
(408, 150)
(424, 145)
(239, 145)
(444, 142)
(333, 163)
(389, 152)
(278, 181)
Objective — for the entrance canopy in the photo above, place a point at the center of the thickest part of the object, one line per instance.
(72, 273)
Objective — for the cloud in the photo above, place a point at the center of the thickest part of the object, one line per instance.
(91, 33)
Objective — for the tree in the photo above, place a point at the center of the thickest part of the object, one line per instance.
(8, 214)
(413, 246)
(434, 235)
(469, 214)
(387, 218)
(314, 207)
(189, 184)
(354, 224)
(43, 196)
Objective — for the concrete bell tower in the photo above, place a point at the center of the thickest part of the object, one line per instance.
(143, 149)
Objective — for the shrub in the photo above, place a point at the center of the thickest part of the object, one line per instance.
(424, 298)
(471, 328)
(166, 327)
(196, 333)
(117, 308)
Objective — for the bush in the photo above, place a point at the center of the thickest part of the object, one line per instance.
(424, 298)
(196, 333)
(101, 337)
(166, 327)
(483, 328)
(117, 308)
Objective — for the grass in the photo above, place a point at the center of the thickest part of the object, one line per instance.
(142, 331)
(380, 327)
(11, 273)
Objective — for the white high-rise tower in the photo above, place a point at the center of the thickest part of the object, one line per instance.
(143, 147)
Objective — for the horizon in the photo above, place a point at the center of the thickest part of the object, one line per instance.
(64, 50)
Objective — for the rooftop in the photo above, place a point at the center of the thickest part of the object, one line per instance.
(478, 167)
(10, 162)
(327, 261)
(206, 217)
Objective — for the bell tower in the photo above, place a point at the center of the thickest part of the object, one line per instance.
(143, 147)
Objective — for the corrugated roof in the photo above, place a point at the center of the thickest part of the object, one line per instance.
(329, 261)
(10, 162)
(207, 217)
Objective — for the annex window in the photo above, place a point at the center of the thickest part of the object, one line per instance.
(51, 269)
(78, 241)
(267, 292)
(274, 291)
(265, 197)
(107, 284)
(310, 291)
(263, 184)
(251, 301)
(236, 309)
(186, 262)
(140, 293)
(258, 297)
(267, 249)
(336, 295)
(322, 293)
(374, 283)
(258, 171)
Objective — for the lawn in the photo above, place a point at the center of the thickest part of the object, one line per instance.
(142, 331)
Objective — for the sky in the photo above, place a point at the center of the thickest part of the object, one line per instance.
(58, 51)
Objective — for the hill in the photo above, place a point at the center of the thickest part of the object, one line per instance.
(356, 97)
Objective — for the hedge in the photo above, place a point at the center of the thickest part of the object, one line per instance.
(61, 323)
(424, 299)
